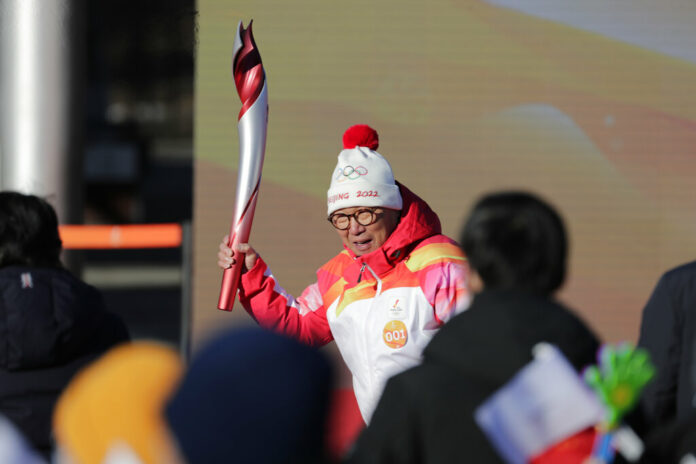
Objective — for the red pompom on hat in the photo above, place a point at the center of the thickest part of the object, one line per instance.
(362, 176)
(361, 135)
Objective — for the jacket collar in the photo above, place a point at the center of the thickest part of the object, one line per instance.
(417, 222)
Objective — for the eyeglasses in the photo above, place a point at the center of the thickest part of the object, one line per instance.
(364, 217)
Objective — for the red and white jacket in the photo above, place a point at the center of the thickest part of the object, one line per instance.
(381, 308)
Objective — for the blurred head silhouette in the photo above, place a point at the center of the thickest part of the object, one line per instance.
(28, 231)
(515, 240)
(255, 396)
(112, 410)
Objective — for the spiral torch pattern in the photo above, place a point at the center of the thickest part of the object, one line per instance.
(250, 80)
(248, 70)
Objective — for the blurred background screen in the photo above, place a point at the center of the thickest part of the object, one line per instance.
(591, 104)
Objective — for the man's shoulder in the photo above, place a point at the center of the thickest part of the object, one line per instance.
(53, 279)
(682, 272)
(437, 249)
(339, 261)
(678, 280)
(439, 240)
(333, 270)
(511, 322)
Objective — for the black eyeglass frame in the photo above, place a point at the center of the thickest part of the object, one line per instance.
(374, 217)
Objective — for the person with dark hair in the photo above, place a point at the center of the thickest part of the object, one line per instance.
(28, 231)
(52, 324)
(516, 245)
(515, 241)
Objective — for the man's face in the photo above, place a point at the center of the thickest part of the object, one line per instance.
(361, 239)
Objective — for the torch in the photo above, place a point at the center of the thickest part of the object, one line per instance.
(250, 80)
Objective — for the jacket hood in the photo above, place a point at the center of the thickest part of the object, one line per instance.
(418, 221)
(47, 316)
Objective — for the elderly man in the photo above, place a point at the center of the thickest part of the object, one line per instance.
(382, 298)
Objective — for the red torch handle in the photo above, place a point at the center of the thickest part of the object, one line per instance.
(239, 234)
(230, 281)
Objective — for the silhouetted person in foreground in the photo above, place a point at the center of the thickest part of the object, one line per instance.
(252, 396)
(668, 332)
(516, 247)
(111, 412)
(51, 323)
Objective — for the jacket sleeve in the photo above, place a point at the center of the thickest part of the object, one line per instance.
(444, 285)
(661, 336)
(273, 308)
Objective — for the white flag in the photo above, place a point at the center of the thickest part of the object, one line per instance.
(544, 403)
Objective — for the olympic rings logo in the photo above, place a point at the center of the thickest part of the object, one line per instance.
(349, 173)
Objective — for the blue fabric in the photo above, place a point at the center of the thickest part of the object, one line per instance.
(252, 396)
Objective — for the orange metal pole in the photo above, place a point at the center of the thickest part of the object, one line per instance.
(82, 237)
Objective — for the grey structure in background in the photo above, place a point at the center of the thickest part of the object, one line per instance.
(41, 78)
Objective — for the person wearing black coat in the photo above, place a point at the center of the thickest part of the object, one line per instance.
(516, 246)
(668, 332)
(51, 323)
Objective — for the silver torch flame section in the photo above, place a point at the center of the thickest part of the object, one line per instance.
(250, 80)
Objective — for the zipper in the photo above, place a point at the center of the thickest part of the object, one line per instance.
(377, 279)
(362, 268)
(365, 332)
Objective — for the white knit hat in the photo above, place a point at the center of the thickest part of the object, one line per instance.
(362, 176)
